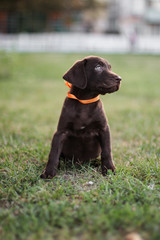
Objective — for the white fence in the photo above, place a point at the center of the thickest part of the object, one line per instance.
(78, 42)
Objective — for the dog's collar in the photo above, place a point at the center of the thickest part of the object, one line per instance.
(70, 95)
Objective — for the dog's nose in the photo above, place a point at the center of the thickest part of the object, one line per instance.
(118, 78)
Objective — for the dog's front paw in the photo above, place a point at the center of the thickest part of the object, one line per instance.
(113, 168)
(48, 174)
(108, 166)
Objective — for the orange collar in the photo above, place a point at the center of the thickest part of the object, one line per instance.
(70, 95)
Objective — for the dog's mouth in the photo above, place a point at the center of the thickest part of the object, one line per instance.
(104, 90)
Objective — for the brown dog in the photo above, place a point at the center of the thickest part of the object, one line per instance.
(83, 131)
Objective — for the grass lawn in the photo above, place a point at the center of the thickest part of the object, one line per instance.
(78, 203)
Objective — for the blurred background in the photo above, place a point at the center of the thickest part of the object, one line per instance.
(80, 25)
(39, 42)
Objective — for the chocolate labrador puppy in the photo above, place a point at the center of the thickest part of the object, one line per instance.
(83, 132)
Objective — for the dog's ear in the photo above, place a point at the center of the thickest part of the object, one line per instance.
(76, 75)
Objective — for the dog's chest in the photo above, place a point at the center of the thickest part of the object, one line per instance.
(79, 129)
(83, 120)
(84, 124)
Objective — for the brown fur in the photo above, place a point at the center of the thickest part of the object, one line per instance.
(83, 132)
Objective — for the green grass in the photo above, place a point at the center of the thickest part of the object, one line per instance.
(69, 206)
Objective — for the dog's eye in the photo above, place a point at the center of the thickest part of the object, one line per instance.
(98, 68)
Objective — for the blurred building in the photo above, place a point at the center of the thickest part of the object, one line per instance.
(152, 16)
(140, 16)
(127, 17)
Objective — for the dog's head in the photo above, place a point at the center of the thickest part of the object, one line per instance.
(93, 73)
